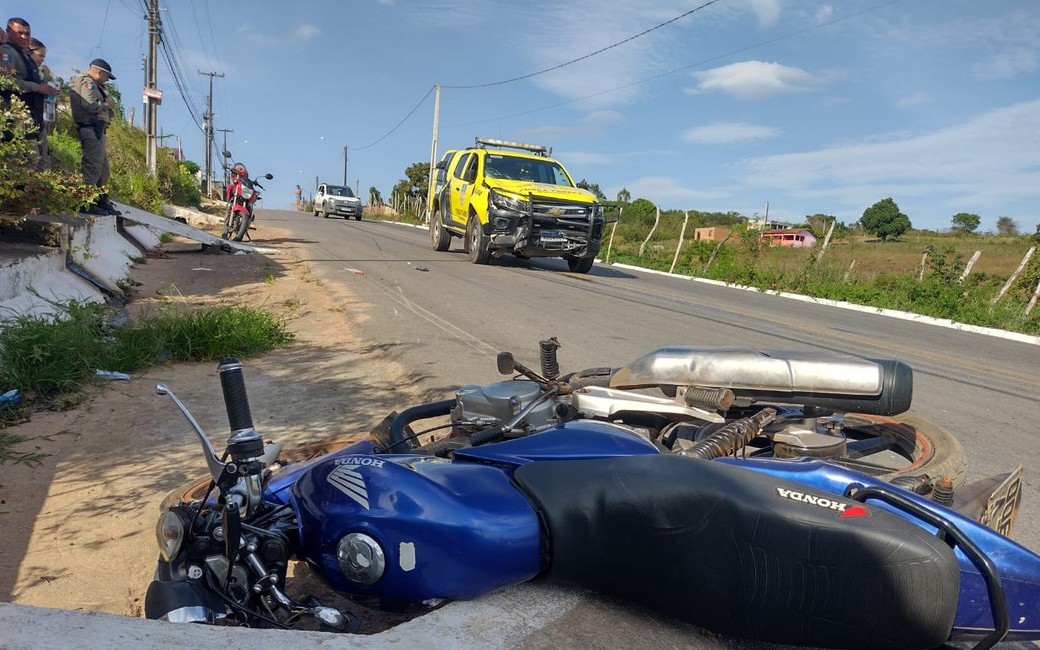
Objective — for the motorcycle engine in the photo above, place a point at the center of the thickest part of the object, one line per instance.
(479, 407)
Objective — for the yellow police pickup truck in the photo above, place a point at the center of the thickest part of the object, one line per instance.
(511, 197)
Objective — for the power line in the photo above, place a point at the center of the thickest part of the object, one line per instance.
(587, 56)
(690, 66)
(403, 119)
(528, 76)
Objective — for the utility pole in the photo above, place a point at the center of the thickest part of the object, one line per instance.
(345, 166)
(207, 127)
(433, 151)
(224, 163)
(151, 101)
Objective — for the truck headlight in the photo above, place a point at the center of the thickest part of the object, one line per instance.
(360, 558)
(169, 532)
(507, 202)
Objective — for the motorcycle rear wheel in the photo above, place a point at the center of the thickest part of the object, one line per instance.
(926, 450)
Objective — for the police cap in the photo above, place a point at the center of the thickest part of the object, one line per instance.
(103, 65)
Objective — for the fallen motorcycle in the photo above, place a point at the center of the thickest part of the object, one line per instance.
(739, 490)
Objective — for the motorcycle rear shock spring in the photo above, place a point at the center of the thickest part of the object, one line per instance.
(731, 437)
(550, 364)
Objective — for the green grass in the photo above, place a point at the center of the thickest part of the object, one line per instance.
(48, 357)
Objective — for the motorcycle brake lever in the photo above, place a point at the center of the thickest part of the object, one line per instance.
(216, 468)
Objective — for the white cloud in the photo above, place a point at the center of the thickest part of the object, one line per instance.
(753, 80)
(306, 32)
(981, 162)
(585, 158)
(1008, 64)
(766, 11)
(914, 100)
(591, 125)
(664, 190)
(824, 13)
(729, 132)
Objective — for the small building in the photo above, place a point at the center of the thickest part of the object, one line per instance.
(713, 233)
(792, 237)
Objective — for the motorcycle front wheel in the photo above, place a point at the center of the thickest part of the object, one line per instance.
(229, 223)
(241, 226)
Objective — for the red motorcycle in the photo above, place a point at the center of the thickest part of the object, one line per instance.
(242, 194)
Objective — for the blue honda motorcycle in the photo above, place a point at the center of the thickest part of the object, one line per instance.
(765, 494)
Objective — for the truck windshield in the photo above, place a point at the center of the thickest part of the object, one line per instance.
(525, 169)
(336, 190)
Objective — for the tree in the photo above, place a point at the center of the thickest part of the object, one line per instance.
(624, 197)
(965, 222)
(1006, 227)
(820, 223)
(592, 187)
(418, 175)
(643, 210)
(374, 197)
(884, 220)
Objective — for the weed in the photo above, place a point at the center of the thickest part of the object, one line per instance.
(52, 356)
(166, 238)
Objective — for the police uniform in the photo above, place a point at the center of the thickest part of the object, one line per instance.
(92, 114)
(20, 65)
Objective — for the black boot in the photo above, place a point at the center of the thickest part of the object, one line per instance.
(95, 208)
(108, 207)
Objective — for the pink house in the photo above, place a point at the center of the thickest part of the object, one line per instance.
(793, 237)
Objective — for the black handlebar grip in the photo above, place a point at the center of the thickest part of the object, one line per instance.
(233, 385)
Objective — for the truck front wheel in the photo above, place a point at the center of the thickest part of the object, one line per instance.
(478, 245)
(580, 264)
(439, 236)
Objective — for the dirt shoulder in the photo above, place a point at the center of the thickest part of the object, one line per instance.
(76, 532)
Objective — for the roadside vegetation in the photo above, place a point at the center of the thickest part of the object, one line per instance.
(50, 359)
(878, 261)
(25, 189)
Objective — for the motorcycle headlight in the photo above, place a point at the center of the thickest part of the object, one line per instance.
(360, 558)
(246, 192)
(507, 202)
(169, 532)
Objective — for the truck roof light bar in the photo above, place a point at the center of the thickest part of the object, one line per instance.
(491, 142)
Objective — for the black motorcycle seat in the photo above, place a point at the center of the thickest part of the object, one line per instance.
(743, 553)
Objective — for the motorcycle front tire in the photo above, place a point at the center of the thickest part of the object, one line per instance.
(241, 226)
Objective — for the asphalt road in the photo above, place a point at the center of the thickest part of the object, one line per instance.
(446, 318)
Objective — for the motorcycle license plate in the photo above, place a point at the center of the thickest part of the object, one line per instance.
(1003, 503)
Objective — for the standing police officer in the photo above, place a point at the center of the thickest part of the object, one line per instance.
(16, 60)
(92, 110)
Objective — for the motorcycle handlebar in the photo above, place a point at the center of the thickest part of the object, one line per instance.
(233, 386)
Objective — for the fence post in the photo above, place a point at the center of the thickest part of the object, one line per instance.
(849, 271)
(657, 219)
(613, 227)
(682, 233)
(1014, 276)
(1032, 301)
(826, 241)
(971, 263)
(920, 272)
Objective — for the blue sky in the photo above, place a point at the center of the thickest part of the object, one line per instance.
(807, 106)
